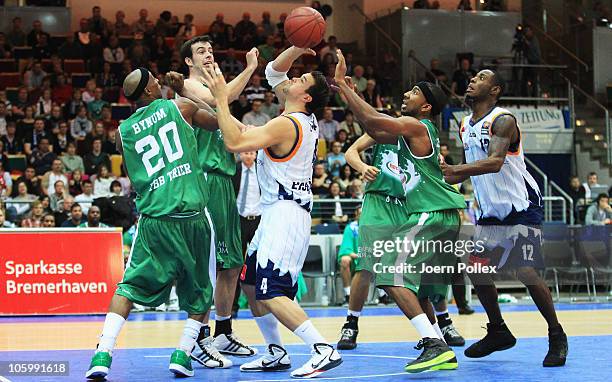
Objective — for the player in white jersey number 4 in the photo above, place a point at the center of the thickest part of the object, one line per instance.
(287, 147)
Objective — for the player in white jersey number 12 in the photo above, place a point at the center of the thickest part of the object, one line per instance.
(287, 145)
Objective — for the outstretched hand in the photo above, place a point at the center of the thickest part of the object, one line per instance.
(175, 80)
(340, 75)
(214, 80)
(251, 58)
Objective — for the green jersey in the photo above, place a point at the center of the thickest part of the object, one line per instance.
(388, 181)
(212, 153)
(158, 152)
(422, 179)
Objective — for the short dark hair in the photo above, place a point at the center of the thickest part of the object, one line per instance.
(113, 184)
(498, 80)
(601, 196)
(186, 47)
(74, 205)
(592, 173)
(443, 144)
(86, 181)
(319, 93)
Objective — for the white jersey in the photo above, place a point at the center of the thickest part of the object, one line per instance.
(290, 177)
(512, 187)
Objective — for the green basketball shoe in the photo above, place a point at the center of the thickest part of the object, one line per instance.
(99, 366)
(180, 364)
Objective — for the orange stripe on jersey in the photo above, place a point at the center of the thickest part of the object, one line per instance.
(461, 129)
(296, 146)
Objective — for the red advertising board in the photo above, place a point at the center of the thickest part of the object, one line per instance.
(59, 271)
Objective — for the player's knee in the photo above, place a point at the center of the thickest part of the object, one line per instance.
(345, 262)
(527, 275)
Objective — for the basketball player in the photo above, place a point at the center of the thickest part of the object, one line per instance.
(219, 166)
(174, 238)
(384, 195)
(430, 211)
(510, 212)
(287, 149)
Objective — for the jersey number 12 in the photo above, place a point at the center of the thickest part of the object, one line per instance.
(171, 154)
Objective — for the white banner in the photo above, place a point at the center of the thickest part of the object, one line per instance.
(529, 117)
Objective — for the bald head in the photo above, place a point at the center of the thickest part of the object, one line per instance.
(135, 87)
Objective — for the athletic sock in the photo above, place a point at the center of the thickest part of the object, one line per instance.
(439, 331)
(381, 293)
(423, 326)
(173, 295)
(444, 319)
(112, 326)
(347, 291)
(309, 334)
(204, 332)
(353, 313)
(268, 326)
(223, 325)
(190, 334)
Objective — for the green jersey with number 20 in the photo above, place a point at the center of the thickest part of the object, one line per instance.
(159, 152)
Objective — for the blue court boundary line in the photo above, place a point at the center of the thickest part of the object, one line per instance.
(312, 313)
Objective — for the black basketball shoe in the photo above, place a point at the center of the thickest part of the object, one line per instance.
(498, 338)
(557, 348)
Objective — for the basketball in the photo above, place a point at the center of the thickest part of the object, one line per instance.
(304, 27)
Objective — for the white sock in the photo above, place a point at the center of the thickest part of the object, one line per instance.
(190, 335)
(438, 331)
(381, 293)
(309, 334)
(112, 326)
(423, 326)
(443, 312)
(353, 313)
(347, 291)
(173, 295)
(268, 326)
(222, 318)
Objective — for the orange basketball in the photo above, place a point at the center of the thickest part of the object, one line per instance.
(305, 27)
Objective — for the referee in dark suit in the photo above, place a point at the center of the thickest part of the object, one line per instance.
(247, 200)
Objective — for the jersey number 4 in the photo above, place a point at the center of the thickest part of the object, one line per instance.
(171, 153)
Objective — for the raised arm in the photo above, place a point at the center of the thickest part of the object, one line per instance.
(372, 120)
(503, 133)
(272, 133)
(353, 157)
(195, 116)
(276, 71)
(237, 85)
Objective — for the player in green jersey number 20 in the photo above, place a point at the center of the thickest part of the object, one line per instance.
(174, 228)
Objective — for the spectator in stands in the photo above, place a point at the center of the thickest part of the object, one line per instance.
(23, 199)
(280, 26)
(42, 157)
(63, 214)
(140, 25)
(328, 126)
(94, 108)
(62, 90)
(87, 197)
(115, 189)
(256, 116)
(533, 54)
(348, 252)
(45, 202)
(34, 136)
(336, 212)
(16, 36)
(42, 49)
(56, 198)
(267, 25)
(76, 216)
(75, 184)
(70, 49)
(444, 151)
(3, 222)
(113, 53)
(359, 80)
(110, 144)
(106, 117)
(106, 79)
(32, 181)
(6, 182)
(96, 158)
(81, 125)
(592, 181)
(421, 4)
(36, 30)
(267, 51)
(25, 125)
(34, 218)
(51, 177)
(435, 73)
(342, 138)
(71, 160)
(600, 212)
(48, 221)
(351, 126)
(269, 107)
(3, 117)
(245, 27)
(219, 23)
(230, 65)
(335, 159)
(33, 78)
(462, 77)
(464, 5)
(577, 191)
(255, 90)
(120, 27)
(83, 37)
(163, 26)
(345, 178)
(53, 120)
(98, 24)
(44, 104)
(93, 219)
(102, 182)
(3, 157)
(71, 108)
(371, 94)
(89, 93)
(187, 30)
(20, 104)
(98, 132)
(240, 107)
(320, 180)
(139, 55)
